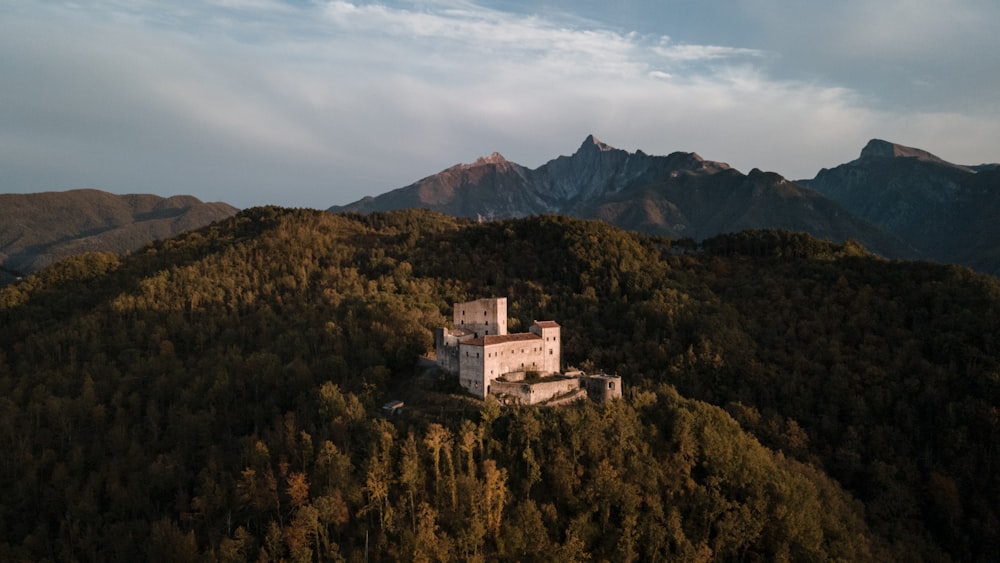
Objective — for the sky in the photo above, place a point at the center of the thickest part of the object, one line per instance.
(310, 103)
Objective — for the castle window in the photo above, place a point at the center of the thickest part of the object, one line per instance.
(611, 385)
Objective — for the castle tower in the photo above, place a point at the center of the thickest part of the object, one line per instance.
(551, 361)
(483, 317)
(603, 388)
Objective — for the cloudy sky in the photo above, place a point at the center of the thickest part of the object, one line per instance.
(313, 103)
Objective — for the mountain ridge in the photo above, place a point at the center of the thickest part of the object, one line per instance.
(37, 230)
(681, 195)
(879, 148)
(947, 211)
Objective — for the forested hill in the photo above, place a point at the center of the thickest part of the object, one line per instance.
(216, 396)
(38, 230)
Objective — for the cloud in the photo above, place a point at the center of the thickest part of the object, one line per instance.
(926, 54)
(702, 52)
(320, 103)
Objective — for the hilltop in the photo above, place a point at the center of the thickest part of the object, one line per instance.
(217, 395)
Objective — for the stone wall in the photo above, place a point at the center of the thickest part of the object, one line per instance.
(470, 370)
(558, 389)
(446, 350)
(521, 393)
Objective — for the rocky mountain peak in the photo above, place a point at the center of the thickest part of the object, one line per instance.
(495, 158)
(877, 148)
(592, 144)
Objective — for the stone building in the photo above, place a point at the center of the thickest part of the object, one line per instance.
(488, 360)
(483, 359)
(602, 388)
(480, 350)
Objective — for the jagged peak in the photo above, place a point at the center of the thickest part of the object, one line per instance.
(495, 158)
(592, 143)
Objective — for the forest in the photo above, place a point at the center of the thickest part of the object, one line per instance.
(216, 397)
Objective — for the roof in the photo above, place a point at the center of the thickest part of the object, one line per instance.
(603, 376)
(493, 339)
(547, 324)
(393, 405)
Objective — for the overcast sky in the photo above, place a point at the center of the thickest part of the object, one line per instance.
(315, 103)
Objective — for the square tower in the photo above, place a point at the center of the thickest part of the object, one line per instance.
(551, 345)
(483, 317)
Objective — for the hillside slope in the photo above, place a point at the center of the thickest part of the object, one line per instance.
(37, 230)
(217, 395)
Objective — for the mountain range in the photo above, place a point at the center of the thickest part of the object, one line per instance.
(37, 230)
(898, 201)
(950, 212)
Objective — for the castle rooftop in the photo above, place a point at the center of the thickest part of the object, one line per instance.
(502, 339)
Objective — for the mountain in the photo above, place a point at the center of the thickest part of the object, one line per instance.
(37, 230)
(678, 195)
(947, 211)
(216, 396)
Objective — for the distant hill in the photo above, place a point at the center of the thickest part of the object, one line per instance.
(37, 230)
(947, 211)
(680, 195)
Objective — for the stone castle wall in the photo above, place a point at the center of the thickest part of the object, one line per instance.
(446, 350)
(521, 393)
(600, 388)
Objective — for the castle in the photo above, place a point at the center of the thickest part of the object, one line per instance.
(489, 361)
